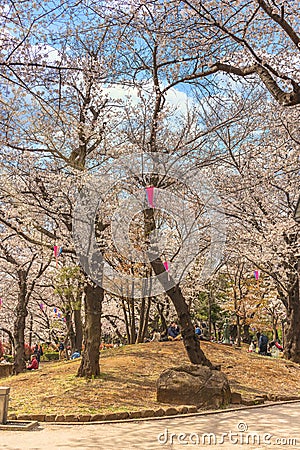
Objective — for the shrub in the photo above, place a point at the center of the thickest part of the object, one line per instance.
(50, 356)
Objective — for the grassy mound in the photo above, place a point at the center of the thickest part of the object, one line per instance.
(129, 374)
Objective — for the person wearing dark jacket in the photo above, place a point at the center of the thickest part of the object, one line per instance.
(38, 351)
(174, 332)
(263, 344)
(61, 349)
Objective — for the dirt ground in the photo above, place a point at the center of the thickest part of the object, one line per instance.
(128, 379)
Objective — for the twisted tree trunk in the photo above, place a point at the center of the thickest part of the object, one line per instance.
(191, 343)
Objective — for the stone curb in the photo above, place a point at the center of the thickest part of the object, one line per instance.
(15, 425)
(134, 416)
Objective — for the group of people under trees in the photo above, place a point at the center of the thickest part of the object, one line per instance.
(174, 334)
(265, 348)
(35, 357)
(38, 352)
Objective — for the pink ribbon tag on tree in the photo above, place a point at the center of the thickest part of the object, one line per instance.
(150, 196)
(166, 266)
(256, 274)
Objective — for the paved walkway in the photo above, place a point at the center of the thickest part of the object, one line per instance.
(272, 427)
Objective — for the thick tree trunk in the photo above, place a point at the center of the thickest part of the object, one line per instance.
(190, 340)
(19, 325)
(247, 338)
(90, 366)
(292, 330)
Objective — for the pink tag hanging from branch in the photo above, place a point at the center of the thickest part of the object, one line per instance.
(166, 266)
(150, 196)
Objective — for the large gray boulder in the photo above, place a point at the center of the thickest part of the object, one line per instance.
(193, 385)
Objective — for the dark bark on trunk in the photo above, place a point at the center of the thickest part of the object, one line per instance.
(19, 353)
(30, 330)
(132, 322)
(274, 326)
(292, 330)
(115, 327)
(247, 338)
(215, 330)
(164, 325)
(10, 337)
(19, 324)
(209, 314)
(140, 338)
(190, 340)
(238, 329)
(126, 320)
(90, 366)
(146, 320)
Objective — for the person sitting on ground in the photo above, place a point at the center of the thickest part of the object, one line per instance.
(263, 344)
(205, 332)
(75, 355)
(198, 331)
(164, 336)
(277, 345)
(34, 363)
(174, 332)
(156, 336)
(252, 347)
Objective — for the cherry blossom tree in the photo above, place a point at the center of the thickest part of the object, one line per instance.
(59, 112)
(261, 176)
